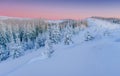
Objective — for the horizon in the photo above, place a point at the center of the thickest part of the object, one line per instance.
(15, 17)
(59, 9)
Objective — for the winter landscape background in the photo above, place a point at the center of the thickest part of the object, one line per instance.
(40, 47)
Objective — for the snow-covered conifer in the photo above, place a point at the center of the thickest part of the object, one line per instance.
(40, 41)
(68, 34)
(16, 49)
(48, 43)
(4, 54)
(55, 34)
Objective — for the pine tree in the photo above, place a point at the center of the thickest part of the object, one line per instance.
(56, 35)
(2, 40)
(68, 35)
(40, 41)
(16, 48)
(88, 36)
(48, 44)
(4, 54)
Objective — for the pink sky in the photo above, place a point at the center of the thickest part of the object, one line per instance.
(57, 12)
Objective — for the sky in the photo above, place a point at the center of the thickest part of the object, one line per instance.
(59, 9)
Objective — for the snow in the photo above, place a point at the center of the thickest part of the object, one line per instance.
(102, 24)
(54, 21)
(93, 58)
(7, 17)
(7, 67)
(97, 57)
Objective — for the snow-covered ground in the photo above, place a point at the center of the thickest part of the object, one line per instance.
(7, 17)
(97, 57)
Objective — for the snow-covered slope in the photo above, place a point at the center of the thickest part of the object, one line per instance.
(102, 24)
(96, 57)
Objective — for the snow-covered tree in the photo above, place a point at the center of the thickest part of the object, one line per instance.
(55, 34)
(16, 49)
(88, 36)
(40, 41)
(3, 40)
(68, 35)
(48, 43)
(28, 45)
(48, 48)
(4, 54)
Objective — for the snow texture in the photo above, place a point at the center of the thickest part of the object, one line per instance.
(95, 52)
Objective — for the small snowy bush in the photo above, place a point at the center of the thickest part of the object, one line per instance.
(88, 36)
